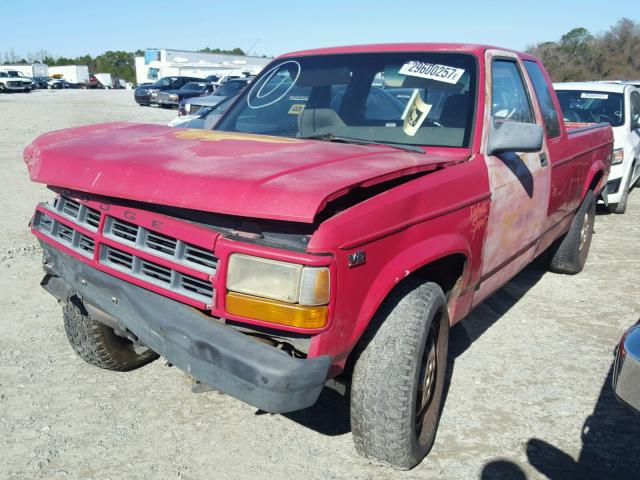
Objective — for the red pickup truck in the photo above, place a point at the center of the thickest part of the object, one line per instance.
(350, 206)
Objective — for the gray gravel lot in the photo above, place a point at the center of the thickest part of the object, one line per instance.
(529, 395)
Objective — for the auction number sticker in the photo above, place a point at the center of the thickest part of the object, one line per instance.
(596, 96)
(432, 71)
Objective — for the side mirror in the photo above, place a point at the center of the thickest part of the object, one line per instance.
(635, 121)
(515, 137)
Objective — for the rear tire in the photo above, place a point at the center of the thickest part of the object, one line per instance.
(569, 253)
(98, 344)
(398, 379)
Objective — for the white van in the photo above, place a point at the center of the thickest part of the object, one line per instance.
(619, 105)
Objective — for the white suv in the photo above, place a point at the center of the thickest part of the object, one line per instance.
(617, 104)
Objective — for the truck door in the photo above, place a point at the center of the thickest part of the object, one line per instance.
(519, 182)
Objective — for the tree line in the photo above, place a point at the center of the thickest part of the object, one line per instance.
(119, 63)
(577, 56)
(580, 55)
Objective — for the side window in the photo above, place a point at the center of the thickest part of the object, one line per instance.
(509, 99)
(635, 110)
(545, 99)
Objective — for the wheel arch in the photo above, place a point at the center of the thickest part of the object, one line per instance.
(594, 179)
(444, 260)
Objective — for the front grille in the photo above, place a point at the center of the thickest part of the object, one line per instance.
(64, 234)
(161, 245)
(182, 255)
(164, 277)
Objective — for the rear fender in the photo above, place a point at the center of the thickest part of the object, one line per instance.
(597, 168)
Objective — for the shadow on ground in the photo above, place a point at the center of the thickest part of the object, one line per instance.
(610, 447)
(330, 415)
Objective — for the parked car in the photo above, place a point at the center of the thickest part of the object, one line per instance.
(172, 98)
(228, 89)
(11, 83)
(205, 118)
(147, 94)
(55, 83)
(626, 371)
(619, 105)
(42, 81)
(302, 239)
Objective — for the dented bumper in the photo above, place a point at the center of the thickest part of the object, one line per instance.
(212, 352)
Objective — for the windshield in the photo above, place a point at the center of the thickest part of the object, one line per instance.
(164, 82)
(592, 107)
(408, 98)
(230, 88)
(194, 87)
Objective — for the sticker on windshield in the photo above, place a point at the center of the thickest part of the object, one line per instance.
(415, 113)
(432, 71)
(296, 109)
(274, 85)
(596, 96)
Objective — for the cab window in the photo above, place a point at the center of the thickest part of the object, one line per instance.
(545, 99)
(509, 99)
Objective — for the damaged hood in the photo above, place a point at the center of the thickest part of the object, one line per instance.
(231, 173)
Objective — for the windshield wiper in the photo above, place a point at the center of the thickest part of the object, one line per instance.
(332, 137)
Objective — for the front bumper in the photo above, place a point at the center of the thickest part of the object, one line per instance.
(626, 371)
(141, 99)
(212, 352)
(161, 100)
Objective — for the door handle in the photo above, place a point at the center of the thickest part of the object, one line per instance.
(544, 160)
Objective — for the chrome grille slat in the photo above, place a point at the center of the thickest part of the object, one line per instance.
(87, 244)
(160, 242)
(92, 218)
(200, 256)
(125, 230)
(64, 234)
(164, 277)
(196, 285)
(118, 257)
(156, 271)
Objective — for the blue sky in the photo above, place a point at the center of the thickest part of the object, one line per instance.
(72, 28)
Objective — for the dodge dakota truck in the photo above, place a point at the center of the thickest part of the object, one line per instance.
(331, 225)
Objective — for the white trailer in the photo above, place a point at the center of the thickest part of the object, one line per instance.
(104, 79)
(33, 70)
(71, 73)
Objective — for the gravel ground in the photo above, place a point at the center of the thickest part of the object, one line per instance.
(529, 395)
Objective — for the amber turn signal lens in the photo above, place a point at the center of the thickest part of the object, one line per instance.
(273, 311)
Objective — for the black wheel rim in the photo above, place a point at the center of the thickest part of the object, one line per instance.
(428, 376)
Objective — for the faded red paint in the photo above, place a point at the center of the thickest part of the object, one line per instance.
(467, 203)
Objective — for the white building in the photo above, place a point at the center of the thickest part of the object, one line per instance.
(162, 62)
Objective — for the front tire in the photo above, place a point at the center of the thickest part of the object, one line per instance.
(98, 344)
(398, 379)
(569, 253)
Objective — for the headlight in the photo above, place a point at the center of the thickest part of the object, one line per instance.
(618, 156)
(277, 292)
(284, 281)
(173, 97)
(187, 107)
